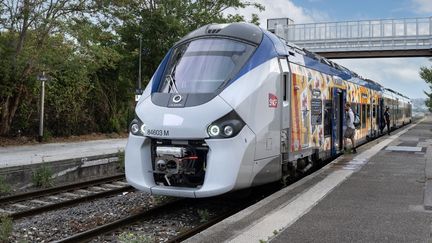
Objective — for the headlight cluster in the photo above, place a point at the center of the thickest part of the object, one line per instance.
(137, 127)
(227, 126)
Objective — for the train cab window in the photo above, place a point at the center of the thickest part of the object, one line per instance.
(204, 65)
(363, 115)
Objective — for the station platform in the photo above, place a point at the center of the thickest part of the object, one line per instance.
(381, 194)
(12, 156)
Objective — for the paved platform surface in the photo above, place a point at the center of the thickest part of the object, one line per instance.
(32, 154)
(379, 195)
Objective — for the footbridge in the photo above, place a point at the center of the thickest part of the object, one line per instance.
(410, 37)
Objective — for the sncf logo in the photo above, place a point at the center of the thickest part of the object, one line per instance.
(272, 100)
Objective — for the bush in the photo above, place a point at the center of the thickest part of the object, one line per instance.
(121, 160)
(4, 186)
(42, 177)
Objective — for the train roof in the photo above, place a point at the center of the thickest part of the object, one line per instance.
(397, 93)
(256, 35)
(325, 65)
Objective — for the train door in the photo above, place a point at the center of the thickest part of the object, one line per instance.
(373, 117)
(380, 114)
(396, 112)
(338, 120)
(285, 107)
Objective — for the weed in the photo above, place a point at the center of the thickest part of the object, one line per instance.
(204, 215)
(42, 177)
(47, 135)
(159, 199)
(121, 160)
(4, 186)
(5, 228)
(262, 241)
(129, 237)
(275, 232)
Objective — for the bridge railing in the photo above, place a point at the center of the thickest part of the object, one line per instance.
(361, 35)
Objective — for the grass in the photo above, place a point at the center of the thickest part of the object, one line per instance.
(129, 237)
(5, 188)
(204, 215)
(121, 160)
(42, 176)
(159, 199)
(6, 226)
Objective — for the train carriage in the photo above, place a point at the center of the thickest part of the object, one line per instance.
(233, 106)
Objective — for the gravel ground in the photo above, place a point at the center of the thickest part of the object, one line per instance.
(59, 224)
(166, 226)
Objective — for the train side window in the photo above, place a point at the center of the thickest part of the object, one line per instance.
(374, 111)
(327, 117)
(363, 116)
(368, 111)
(354, 108)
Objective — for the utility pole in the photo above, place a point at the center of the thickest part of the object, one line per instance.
(138, 92)
(43, 79)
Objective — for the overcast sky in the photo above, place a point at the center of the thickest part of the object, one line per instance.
(400, 74)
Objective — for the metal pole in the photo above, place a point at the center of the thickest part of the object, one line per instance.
(139, 69)
(139, 91)
(42, 103)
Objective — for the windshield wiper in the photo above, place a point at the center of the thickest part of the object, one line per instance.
(172, 83)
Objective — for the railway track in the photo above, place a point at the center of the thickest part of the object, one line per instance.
(170, 208)
(36, 202)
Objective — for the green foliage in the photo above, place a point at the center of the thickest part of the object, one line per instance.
(6, 226)
(42, 176)
(426, 75)
(89, 50)
(159, 199)
(4, 186)
(129, 237)
(121, 160)
(204, 215)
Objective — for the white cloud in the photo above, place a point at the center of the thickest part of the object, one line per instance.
(422, 6)
(282, 9)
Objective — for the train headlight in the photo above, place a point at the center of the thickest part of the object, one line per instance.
(137, 127)
(134, 128)
(226, 127)
(143, 129)
(228, 130)
(213, 130)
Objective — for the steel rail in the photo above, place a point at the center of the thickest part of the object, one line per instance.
(57, 205)
(58, 189)
(106, 228)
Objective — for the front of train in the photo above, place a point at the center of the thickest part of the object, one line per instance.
(189, 137)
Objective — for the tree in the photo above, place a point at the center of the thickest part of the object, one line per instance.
(90, 50)
(426, 75)
(26, 26)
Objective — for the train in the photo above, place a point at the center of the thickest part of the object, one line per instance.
(233, 106)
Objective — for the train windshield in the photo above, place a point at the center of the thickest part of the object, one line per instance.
(204, 65)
